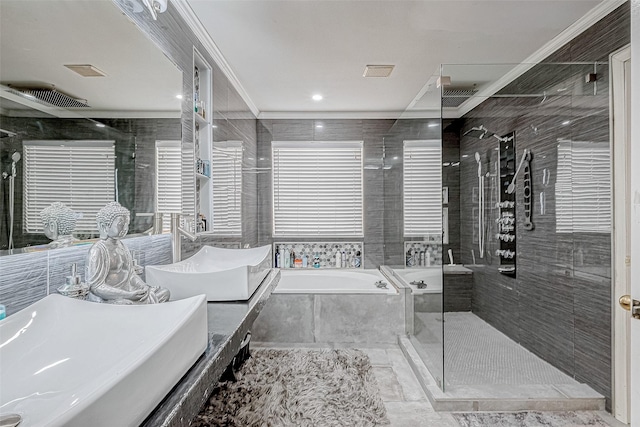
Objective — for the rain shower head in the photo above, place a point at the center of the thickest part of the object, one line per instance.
(479, 132)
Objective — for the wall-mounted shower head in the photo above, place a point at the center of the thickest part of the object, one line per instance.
(479, 132)
(16, 157)
(6, 133)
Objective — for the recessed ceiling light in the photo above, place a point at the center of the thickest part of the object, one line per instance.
(566, 122)
(395, 157)
(86, 70)
(319, 126)
(317, 97)
(179, 96)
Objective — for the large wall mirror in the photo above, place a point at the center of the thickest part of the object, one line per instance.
(66, 129)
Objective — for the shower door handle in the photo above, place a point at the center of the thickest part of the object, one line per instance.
(631, 305)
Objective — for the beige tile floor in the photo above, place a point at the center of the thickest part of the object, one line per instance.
(405, 401)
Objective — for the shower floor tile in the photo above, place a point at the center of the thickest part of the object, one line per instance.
(475, 353)
(484, 370)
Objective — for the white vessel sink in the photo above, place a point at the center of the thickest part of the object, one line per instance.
(220, 274)
(65, 362)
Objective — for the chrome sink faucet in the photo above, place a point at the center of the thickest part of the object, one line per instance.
(176, 237)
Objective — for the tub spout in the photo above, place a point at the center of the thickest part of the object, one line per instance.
(177, 233)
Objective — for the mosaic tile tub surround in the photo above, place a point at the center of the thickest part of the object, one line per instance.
(422, 254)
(318, 254)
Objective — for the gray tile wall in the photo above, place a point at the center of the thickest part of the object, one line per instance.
(28, 277)
(559, 305)
(136, 174)
(383, 233)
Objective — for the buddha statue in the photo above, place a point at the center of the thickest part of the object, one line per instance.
(58, 222)
(110, 270)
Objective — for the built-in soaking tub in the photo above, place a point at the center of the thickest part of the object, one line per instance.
(421, 280)
(331, 305)
(336, 281)
(65, 362)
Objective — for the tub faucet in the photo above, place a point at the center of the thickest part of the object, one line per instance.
(380, 284)
(176, 237)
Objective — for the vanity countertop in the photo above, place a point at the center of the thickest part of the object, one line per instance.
(228, 323)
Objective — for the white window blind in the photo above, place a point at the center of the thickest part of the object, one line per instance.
(226, 175)
(80, 174)
(422, 188)
(317, 189)
(168, 180)
(583, 187)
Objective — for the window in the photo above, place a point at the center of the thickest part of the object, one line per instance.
(422, 188)
(317, 189)
(583, 187)
(79, 174)
(226, 173)
(168, 180)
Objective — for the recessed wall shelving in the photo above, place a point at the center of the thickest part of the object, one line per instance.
(202, 137)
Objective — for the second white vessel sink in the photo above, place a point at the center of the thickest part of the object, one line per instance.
(220, 274)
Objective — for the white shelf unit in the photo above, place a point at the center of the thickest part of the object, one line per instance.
(202, 135)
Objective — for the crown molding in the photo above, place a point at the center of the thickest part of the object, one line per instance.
(328, 115)
(571, 32)
(185, 11)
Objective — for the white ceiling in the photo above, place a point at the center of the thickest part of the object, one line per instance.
(282, 52)
(37, 37)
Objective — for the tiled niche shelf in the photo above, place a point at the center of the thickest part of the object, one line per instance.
(326, 252)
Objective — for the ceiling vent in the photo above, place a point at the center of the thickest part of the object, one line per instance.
(49, 96)
(453, 98)
(378, 70)
(86, 70)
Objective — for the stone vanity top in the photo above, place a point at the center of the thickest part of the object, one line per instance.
(228, 323)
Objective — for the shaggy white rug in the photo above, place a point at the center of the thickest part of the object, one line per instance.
(319, 388)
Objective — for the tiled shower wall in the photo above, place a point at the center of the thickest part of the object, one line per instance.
(383, 233)
(559, 305)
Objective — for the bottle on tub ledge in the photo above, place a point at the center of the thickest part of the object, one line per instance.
(338, 259)
(357, 260)
(316, 260)
(287, 259)
(305, 261)
(277, 258)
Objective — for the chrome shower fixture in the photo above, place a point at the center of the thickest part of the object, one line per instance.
(481, 132)
(6, 133)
